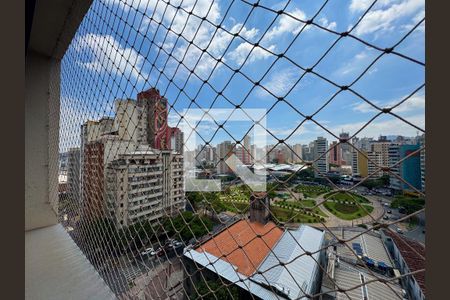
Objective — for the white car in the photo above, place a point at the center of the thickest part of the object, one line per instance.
(148, 251)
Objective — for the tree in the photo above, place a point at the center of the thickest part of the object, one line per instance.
(188, 225)
(306, 174)
(212, 290)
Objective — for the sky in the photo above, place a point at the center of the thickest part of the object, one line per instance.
(123, 47)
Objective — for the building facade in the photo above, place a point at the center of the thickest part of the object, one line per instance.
(224, 150)
(154, 116)
(409, 169)
(335, 154)
(320, 157)
(73, 174)
(144, 185)
(359, 163)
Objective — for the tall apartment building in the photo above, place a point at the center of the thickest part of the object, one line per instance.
(335, 154)
(73, 174)
(346, 149)
(297, 153)
(307, 154)
(243, 151)
(320, 156)
(144, 185)
(176, 141)
(142, 124)
(378, 155)
(362, 144)
(280, 155)
(128, 121)
(409, 169)
(96, 155)
(359, 163)
(224, 150)
(154, 116)
(205, 154)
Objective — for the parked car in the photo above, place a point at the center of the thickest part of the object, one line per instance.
(399, 231)
(389, 211)
(148, 251)
(386, 218)
(177, 244)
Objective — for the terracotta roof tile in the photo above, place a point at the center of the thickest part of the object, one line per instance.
(413, 253)
(226, 245)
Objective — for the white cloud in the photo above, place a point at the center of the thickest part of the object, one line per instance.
(329, 25)
(363, 5)
(417, 18)
(414, 103)
(193, 28)
(355, 64)
(108, 55)
(382, 17)
(281, 82)
(287, 24)
(243, 50)
(392, 126)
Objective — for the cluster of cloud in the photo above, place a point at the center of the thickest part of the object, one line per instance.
(108, 55)
(385, 13)
(185, 27)
(413, 104)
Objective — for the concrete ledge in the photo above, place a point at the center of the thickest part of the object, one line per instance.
(56, 268)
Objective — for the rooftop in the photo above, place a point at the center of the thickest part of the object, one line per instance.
(273, 279)
(413, 253)
(371, 245)
(296, 276)
(244, 244)
(347, 276)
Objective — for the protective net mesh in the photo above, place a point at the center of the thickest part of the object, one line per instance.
(341, 89)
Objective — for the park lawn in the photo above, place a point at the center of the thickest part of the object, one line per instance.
(288, 215)
(311, 191)
(346, 196)
(347, 211)
(234, 195)
(303, 203)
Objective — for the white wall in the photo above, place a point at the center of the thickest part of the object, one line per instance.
(41, 140)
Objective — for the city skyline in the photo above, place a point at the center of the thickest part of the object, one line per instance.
(389, 81)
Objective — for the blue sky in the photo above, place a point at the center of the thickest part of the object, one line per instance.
(108, 59)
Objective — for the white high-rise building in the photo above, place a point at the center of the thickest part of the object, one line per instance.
(224, 150)
(320, 157)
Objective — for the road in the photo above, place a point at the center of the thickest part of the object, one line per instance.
(416, 233)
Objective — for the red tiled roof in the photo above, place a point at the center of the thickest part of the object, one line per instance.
(414, 255)
(226, 245)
